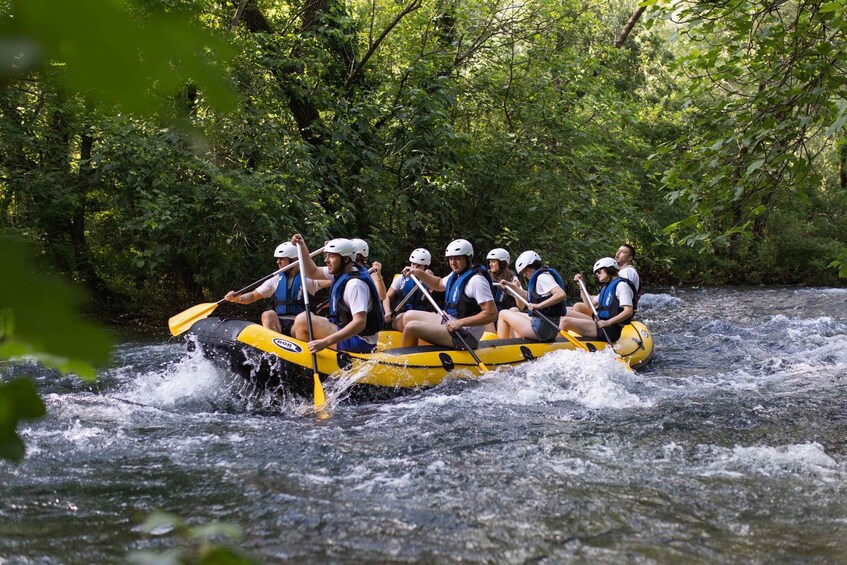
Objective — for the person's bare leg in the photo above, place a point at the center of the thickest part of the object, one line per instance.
(583, 326)
(271, 321)
(520, 324)
(436, 334)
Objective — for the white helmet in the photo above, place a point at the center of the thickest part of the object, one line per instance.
(286, 250)
(341, 246)
(605, 262)
(459, 247)
(526, 259)
(499, 254)
(361, 247)
(420, 256)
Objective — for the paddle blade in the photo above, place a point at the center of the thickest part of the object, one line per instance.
(185, 319)
(482, 367)
(320, 400)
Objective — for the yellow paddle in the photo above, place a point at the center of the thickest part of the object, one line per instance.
(564, 334)
(180, 323)
(444, 316)
(319, 389)
(605, 333)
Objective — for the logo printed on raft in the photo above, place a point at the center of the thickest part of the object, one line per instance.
(287, 345)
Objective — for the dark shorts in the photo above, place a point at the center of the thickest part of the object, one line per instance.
(544, 331)
(286, 323)
(355, 344)
(469, 339)
(614, 332)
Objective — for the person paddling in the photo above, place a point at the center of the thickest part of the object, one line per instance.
(613, 304)
(624, 258)
(546, 296)
(469, 299)
(355, 311)
(402, 285)
(286, 289)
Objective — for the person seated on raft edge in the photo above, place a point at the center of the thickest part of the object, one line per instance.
(498, 260)
(469, 301)
(287, 297)
(546, 296)
(355, 312)
(614, 304)
(623, 257)
(374, 270)
(402, 285)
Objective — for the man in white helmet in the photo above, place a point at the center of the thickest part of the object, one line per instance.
(355, 311)
(613, 304)
(374, 269)
(469, 301)
(286, 289)
(402, 285)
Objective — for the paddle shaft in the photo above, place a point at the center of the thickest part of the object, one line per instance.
(319, 393)
(594, 310)
(446, 318)
(564, 334)
(403, 302)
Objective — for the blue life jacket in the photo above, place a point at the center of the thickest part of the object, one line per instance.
(289, 301)
(554, 311)
(608, 299)
(417, 302)
(457, 303)
(339, 311)
(502, 299)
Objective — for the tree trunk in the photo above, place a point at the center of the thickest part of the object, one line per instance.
(627, 29)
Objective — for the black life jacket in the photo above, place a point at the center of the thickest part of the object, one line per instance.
(457, 303)
(554, 311)
(417, 302)
(339, 311)
(608, 299)
(289, 301)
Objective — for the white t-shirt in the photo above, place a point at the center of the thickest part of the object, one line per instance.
(357, 296)
(478, 289)
(398, 282)
(268, 288)
(630, 273)
(624, 294)
(545, 283)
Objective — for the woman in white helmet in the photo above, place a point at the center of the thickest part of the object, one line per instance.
(355, 311)
(402, 285)
(469, 299)
(374, 269)
(498, 260)
(613, 304)
(546, 296)
(286, 289)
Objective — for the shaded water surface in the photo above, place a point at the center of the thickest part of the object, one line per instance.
(731, 447)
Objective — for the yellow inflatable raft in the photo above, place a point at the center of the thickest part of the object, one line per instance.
(277, 362)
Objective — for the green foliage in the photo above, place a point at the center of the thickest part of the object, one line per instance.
(18, 401)
(198, 545)
(111, 57)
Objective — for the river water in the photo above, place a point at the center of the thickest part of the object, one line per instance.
(731, 447)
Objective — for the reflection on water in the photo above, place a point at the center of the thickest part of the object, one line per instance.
(730, 447)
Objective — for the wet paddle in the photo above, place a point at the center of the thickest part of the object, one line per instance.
(444, 316)
(180, 323)
(597, 317)
(564, 334)
(319, 389)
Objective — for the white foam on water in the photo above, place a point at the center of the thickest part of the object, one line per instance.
(821, 291)
(191, 378)
(658, 301)
(802, 460)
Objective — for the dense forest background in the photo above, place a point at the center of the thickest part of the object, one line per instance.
(711, 135)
